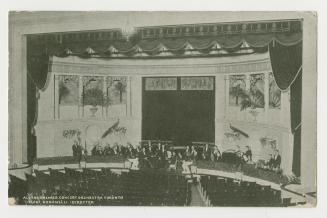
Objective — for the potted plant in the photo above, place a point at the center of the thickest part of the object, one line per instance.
(93, 97)
(252, 99)
(121, 88)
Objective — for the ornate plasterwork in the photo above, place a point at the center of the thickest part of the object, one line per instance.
(172, 31)
(105, 69)
(217, 29)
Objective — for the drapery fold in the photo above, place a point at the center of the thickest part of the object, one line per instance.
(37, 73)
(230, 43)
(286, 62)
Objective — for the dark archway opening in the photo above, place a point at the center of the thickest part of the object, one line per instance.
(179, 115)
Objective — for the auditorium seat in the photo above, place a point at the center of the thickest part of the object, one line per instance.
(230, 192)
(17, 187)
(136, 187)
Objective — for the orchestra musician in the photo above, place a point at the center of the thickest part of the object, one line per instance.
(163, 156)
(188, 153)
(188, 159)
(206, 153)
(97, 150)
(179, 162)
(173, 160)
(115, 150)
(130, 153)
(247, 157)
(75, 148)
(216, 155)
(107, 150)
(143, 158)
(276, 160)
(194, 153)
(158, 147)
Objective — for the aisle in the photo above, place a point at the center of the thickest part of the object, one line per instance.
(196, 199)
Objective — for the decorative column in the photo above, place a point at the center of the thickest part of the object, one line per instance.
(226, 78)
(129, 96)
(220, 107)
(80, 97)
(136, 107)
(266, 98)
(246, 114)
(247, 82)
(56, 98)
(104, 100)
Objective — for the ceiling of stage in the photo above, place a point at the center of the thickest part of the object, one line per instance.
(212, 39)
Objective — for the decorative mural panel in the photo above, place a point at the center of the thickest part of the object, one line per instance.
(274, 93)
(257, 87)
(68, 90)
(93, 90)
(197, 83)
(161, 83)
(237, 89)
(116, 90)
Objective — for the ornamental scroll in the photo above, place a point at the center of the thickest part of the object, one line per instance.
(161, 83)
(197, 83)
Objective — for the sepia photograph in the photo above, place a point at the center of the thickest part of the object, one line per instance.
(177, 109)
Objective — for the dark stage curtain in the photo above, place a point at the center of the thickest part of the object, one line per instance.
(286, 61)
(37, 72)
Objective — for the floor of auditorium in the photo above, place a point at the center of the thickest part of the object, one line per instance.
(197, 199)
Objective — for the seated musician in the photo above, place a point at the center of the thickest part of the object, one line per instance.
(163, 152)
(152, 155)
(194, 153)
(107, 150)
(122, 150)
(270, 162)
(276, 160)
(216, 155)
(78, 151)
(130, 152)
(115, 150)
(206, 153)
(143, 158)
(151, 151)
(238, 151)
(144, 154)
(158, 147)
(131, 155)
(239, 156)
(248, 154)
(163, 157)
(172, 160)
(138, 150)
(75, 148)
(188, 153)
(179, 162)
(97, 150)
